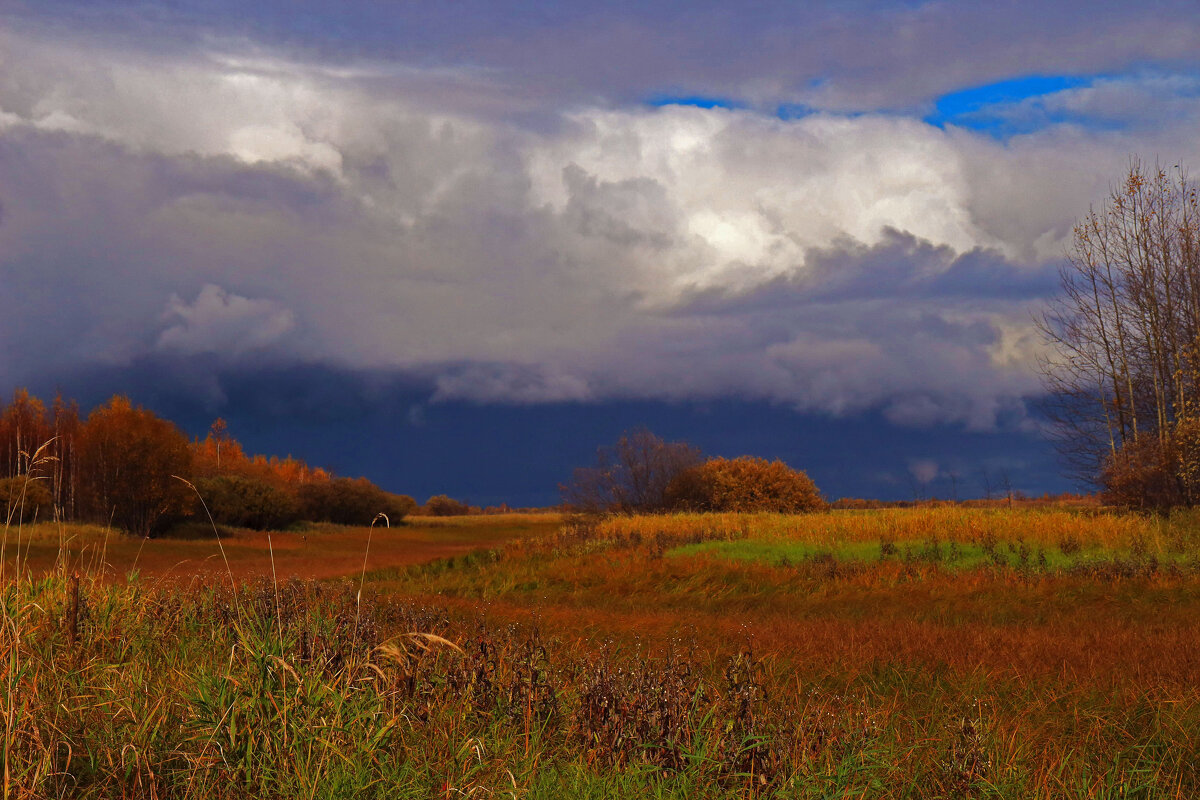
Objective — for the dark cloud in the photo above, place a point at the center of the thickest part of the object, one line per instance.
(477, 205)
(363, 423)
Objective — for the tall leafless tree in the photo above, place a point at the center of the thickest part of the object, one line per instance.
(1124, 329)
(632, 475)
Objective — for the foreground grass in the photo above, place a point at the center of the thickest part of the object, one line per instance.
(297, 691)
(638, 657)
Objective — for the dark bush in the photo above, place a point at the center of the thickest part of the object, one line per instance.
(402, 506)
(23, 498)
(348, 501)
(243, 502)
(442, 506)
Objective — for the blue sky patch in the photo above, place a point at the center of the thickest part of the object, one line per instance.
(789, 111)
(697, 100)
(989, 108)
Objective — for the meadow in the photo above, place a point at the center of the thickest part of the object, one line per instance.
(310, 551)
(891, 653)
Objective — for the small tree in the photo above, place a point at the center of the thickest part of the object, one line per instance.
(127, 458)
(631, 476)
(744, 484)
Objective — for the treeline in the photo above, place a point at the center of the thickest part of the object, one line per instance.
(125, 466)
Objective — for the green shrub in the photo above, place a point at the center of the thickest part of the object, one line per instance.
(348, 501)
(23, 498)
(243, 502)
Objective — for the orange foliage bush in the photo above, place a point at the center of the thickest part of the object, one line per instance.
(117, 466)
(1142, 474)
(744, 484)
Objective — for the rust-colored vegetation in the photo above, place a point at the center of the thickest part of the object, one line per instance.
(127, 468)
(1067, 654)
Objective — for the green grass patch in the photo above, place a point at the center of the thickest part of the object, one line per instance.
(948, 554)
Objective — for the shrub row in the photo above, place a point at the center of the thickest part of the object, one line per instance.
(245, 502)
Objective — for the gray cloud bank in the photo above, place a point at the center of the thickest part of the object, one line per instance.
(246, 207)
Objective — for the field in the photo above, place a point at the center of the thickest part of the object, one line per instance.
(318, 551)
(924, 652)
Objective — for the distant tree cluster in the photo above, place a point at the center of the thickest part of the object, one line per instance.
(642, 473)
(1124, 377)
(125, 466)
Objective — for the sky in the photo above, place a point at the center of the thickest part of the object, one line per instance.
(455, 247)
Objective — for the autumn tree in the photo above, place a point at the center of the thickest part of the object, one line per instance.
(1125, 336)
(127, 460)
(65, 427)
(23, 429)
(218, 453)
(745, 484)
(630, 476)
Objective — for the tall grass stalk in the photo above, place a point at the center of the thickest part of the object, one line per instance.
(216, 533)
(363, 577)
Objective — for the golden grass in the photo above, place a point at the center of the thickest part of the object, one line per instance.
(1046, 527)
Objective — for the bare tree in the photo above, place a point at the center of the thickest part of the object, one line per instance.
(985, 479)
(1124, 330)
(1006, 482)
(630, 476)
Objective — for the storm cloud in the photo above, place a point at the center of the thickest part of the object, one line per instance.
(512, 229)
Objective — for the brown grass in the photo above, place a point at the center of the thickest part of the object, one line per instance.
(320, 551)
